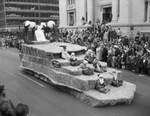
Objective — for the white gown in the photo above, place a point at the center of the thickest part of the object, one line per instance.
(39, 34)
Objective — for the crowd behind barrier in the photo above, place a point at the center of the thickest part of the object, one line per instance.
(123, 51)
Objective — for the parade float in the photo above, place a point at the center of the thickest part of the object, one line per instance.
(44, 60)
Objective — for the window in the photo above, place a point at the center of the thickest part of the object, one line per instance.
(71, 18)
(146, 11)
(71, 2)
(118, 8)
(68, 2)
(107, 15)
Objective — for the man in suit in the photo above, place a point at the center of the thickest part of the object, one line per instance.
(104, 54)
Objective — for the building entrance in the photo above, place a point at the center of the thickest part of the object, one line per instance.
(107, 14)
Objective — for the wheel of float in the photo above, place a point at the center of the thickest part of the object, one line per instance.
(49, 81)
(41, 77)
(26, 70)
(36, 75)
(45, 79)
(31, 73)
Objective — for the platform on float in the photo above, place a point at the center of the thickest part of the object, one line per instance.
(120, 95)
(55, 48)
(116, 95)
(37, 60)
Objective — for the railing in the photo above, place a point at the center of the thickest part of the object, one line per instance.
(29, 10)
(10, 29)
(30, 3)
(31, 18)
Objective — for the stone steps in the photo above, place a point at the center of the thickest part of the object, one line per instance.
(74, 70)
(70, 78)
(64, 62)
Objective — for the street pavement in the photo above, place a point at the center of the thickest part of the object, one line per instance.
(46, 100)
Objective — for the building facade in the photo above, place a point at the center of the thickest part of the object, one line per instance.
(14, 12)
(118, 13)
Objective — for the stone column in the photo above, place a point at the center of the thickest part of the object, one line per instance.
(148, 12)
(115, 10)
(63, 13)
(90, 9)
(125, 11)
(74, 19)
(68, 19)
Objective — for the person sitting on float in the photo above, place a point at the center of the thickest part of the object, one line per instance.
(73, 60)
(89, 56)
(83, 65)
(101, 85)
(73, 57)
(64, 53)
(98, 67)
(85, 69)
(116, 82)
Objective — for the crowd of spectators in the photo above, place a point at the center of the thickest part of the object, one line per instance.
(123, 51)
(10, 40)
(7, 108)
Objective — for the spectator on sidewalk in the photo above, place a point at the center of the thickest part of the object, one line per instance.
(21, 110)
(119, 33)
(6, 105)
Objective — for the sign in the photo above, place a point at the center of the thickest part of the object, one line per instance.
(70, 7)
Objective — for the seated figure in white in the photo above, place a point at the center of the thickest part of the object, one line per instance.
(73, 60)
(83, 66)
(64, 53)
(116, 82)
(39, 34)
